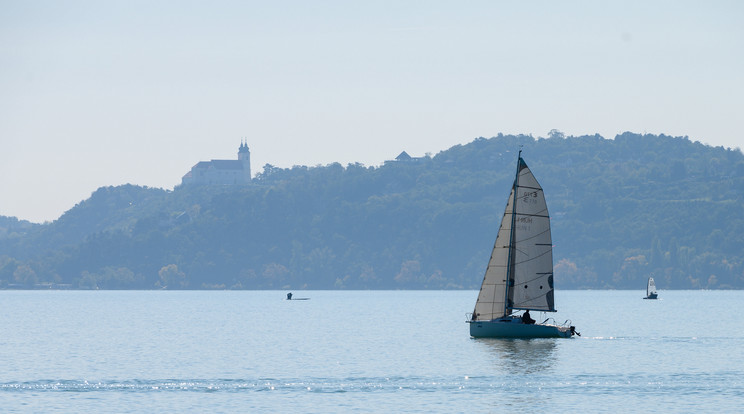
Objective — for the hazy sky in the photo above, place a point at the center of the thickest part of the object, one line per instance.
(99, 93)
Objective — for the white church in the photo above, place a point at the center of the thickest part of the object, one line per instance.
(222, 172)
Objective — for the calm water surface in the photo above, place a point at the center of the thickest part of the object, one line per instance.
(363, 351)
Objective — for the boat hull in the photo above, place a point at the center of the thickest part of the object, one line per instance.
(652, 296)
(514, 328)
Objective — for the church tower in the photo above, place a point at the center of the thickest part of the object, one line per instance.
(244, 156)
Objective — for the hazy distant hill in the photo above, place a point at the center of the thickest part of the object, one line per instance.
(621, 209)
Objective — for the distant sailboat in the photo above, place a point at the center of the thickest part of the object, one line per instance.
(290, 297)
(520, 272)
(651, 289)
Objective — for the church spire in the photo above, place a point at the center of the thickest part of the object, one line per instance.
(244, 155)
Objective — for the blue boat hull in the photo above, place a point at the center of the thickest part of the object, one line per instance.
(512, 327)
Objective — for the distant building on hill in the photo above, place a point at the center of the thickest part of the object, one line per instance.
(404, 157)
(222, 172)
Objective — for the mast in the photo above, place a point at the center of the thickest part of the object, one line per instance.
(510, 268)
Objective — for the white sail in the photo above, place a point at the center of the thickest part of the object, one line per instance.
(522, 252)
(532, 256)
(492, 296)
(650, 287)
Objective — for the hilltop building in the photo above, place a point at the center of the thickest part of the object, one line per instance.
(404, 157)
(222, 172)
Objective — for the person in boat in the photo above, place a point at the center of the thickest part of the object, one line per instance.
(526, 319)
(289, 296)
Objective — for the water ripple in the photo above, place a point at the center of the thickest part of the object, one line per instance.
(362, 384)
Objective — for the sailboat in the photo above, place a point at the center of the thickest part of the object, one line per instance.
(651, 289)
(519, 276)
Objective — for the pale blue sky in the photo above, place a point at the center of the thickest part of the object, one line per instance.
(97, 93)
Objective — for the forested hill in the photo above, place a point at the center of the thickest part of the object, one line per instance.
(622, 209)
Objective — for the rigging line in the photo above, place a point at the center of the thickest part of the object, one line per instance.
(541, 210)
(535, 309)
(537, 213)
(533, 236)
(536, 297)
(532, 215)
(540, 276)
(531, 188)
(520, 251)
(529, 259)
(522, 306)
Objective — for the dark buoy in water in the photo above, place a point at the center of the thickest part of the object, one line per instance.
(289, 296)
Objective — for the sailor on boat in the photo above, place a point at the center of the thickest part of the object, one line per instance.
(526, 318)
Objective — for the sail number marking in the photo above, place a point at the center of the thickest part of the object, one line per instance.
(529, 197)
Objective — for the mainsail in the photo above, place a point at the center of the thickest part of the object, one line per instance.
(522, 254)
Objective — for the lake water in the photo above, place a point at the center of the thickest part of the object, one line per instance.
(363, 351)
